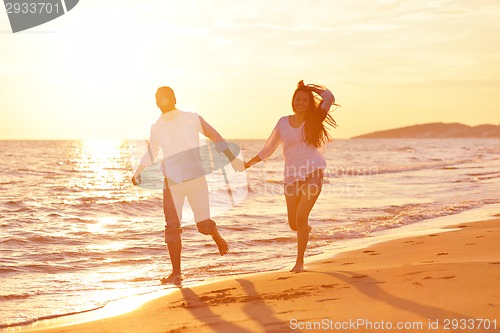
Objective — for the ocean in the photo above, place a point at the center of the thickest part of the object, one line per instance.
(76, 235)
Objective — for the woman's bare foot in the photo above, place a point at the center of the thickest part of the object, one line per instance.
(173, 278)
(221, 243)
(299, 267)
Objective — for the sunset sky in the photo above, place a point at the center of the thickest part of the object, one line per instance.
(93, 72)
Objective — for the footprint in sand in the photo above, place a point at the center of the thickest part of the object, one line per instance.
(359, 276)
(348, 263)
(284, 312)
(220, 292)
(329, 285)
(446, 277)
(471, 244)
(371, 252)
(443, 254)
(329, 262)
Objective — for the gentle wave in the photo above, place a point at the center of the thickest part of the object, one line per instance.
(90, 228)
(24, 322)
(22, 296)
(14, 204)
(376, 170)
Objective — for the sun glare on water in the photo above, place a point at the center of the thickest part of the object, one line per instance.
(103, 163)
(101, 150)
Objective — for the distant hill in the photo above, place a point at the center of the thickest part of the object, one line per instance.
(436, 130)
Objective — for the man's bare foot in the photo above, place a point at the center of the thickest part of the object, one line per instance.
(299, 267)
(173, 278)
(221, 243)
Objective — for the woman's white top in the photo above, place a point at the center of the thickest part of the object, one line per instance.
(177, 134)
(300, 157)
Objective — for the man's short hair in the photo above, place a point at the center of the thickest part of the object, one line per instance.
(166, 92)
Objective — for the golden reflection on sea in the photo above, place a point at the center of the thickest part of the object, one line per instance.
(99, 160)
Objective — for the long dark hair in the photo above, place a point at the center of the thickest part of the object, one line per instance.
(317, 121)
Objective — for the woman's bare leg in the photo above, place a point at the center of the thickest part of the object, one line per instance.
(300, 199)
(304, 207)
(292, 202)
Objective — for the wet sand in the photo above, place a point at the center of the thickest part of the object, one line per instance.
(439, 282)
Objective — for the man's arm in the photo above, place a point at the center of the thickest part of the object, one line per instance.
(221, 145)
(147, 159)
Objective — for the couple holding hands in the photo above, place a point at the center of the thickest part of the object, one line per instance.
(176, 133)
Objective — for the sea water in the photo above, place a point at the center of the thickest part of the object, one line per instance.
(75, 234)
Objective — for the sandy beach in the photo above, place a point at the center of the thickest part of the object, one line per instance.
(438, 282)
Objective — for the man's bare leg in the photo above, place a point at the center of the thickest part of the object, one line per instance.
(175, 249)
(221, 243)
(208, 227)
(174, 245)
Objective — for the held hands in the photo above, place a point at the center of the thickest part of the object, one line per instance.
(238, 165)
(256, 159)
